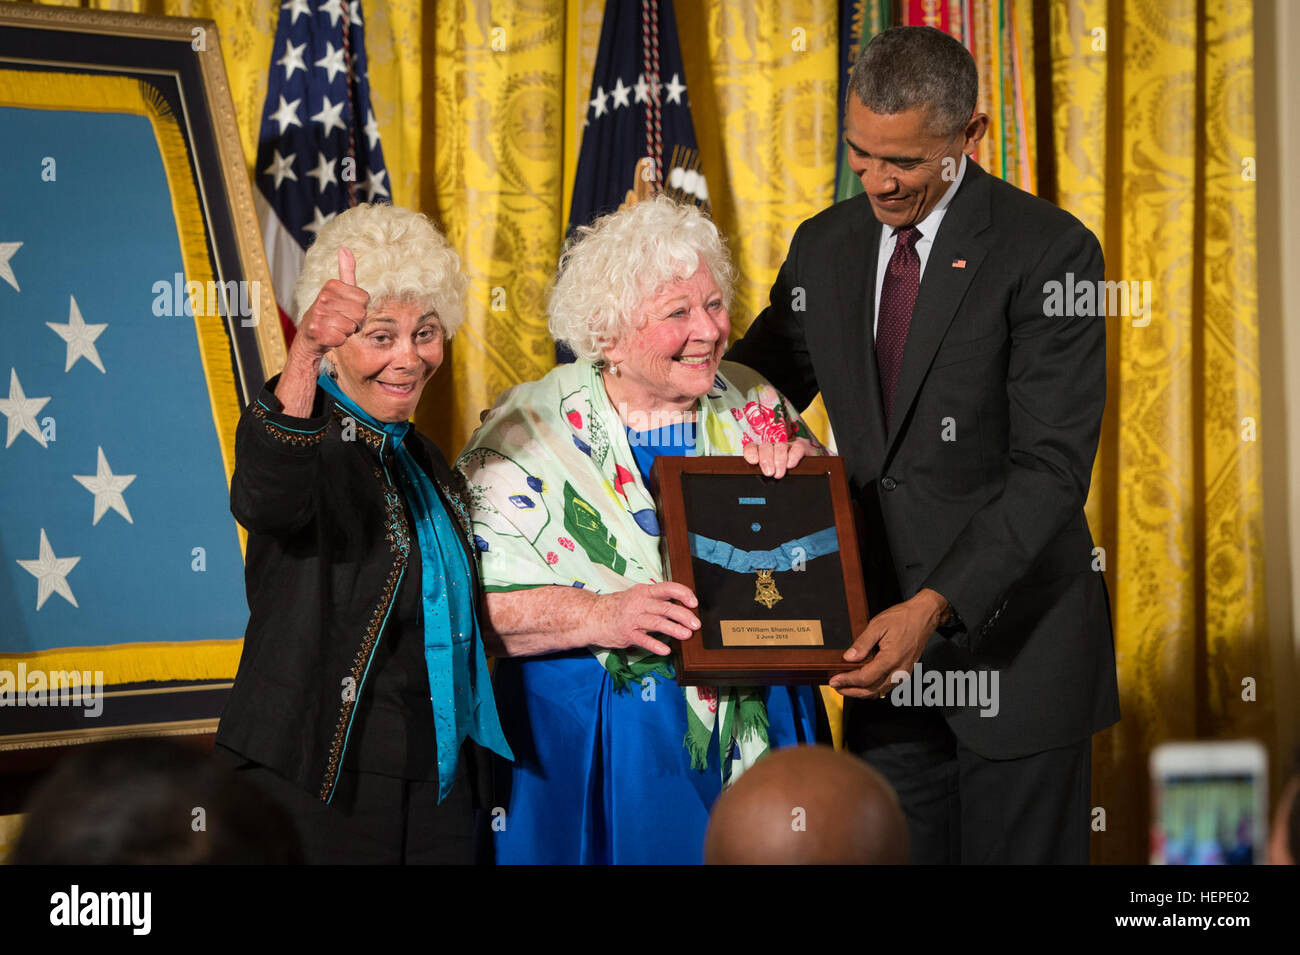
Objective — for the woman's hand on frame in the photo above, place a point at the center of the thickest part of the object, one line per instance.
(631, 618)
(775, 459)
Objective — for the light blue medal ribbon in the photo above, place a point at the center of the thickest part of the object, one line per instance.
(779, 558)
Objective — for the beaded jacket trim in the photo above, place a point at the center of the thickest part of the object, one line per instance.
(300, 439)
(397, 531)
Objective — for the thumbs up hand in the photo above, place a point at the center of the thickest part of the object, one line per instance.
(337, 313)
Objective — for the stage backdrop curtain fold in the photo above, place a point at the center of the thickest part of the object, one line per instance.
(493, 142)
(1153, 120)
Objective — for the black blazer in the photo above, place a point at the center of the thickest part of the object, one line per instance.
(977, 489)
(328, 545)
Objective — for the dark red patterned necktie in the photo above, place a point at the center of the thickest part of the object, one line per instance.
(897, 298)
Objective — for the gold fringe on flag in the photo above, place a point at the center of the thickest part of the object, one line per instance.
(138, 662)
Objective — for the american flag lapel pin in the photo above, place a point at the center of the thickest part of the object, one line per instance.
(959, 263)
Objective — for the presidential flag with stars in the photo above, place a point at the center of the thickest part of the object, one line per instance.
(638, 108)
(318, 151)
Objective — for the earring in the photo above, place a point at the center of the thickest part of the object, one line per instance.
(613, 369)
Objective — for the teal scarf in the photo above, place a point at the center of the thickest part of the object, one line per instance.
(459, 683)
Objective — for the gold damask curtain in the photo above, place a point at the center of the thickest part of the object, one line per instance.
(1153, 121)
(479, 102)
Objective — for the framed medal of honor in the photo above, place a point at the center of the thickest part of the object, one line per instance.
(774, 564)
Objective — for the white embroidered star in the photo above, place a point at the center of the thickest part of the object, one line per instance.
(296, 8)
(80, 337)
(281, 168)
(7, 250)
(21, 411)
(675, 90)
(375, 184)
(332, 61)
(354, 14)
(286, 115)
(371, 130)
(51, 573)
(323, 173)
(292, 59)
(107, 488)
(598, 101)
(334, 8)
(318, 220)
(648, 91)
(620, 93)
(329, 115)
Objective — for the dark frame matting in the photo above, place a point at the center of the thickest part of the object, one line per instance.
(697, 662)
(121, 707)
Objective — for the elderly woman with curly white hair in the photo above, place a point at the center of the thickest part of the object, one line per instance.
(615, 762)
(363, 686)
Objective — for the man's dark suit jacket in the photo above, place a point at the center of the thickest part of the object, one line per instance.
(993, 519)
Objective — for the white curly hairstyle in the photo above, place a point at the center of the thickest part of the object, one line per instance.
(401, 257)
(612, 266)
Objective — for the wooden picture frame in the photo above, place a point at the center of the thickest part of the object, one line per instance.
(719, 517)
(57, 67)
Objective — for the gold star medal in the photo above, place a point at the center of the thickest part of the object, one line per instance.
(765, 591)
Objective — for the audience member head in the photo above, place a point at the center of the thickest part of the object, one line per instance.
(150, 802)
(807, 805)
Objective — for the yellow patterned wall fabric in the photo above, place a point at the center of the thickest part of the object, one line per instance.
(497, 133)
(1153, 118)
(764, 88)
(763, 97)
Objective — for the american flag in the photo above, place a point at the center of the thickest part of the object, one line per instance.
(318, 151)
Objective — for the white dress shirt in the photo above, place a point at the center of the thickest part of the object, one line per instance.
(929, 228)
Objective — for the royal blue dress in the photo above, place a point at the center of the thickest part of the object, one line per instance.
(602, 777)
